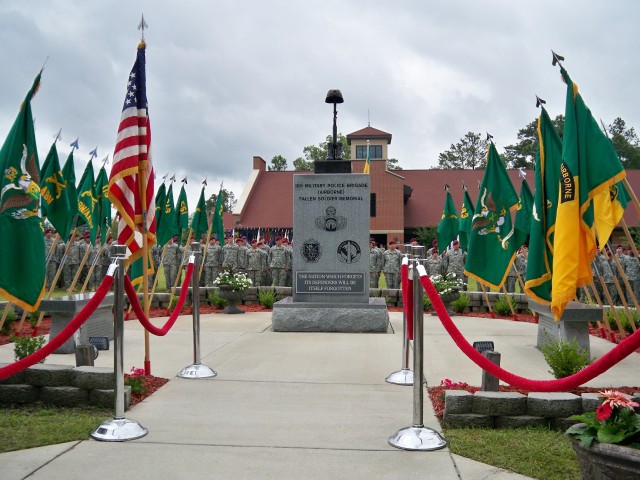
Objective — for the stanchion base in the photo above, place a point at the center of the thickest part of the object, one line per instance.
(197, 371)
(119, 430)
(401, 377)
(417, 438)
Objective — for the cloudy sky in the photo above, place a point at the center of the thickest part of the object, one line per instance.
(228, 80)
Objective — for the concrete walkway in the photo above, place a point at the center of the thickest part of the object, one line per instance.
(288, 405)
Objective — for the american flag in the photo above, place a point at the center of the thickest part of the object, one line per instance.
(133, 151)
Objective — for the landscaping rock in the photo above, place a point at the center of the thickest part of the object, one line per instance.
(64, 396)
(468, 420)
(106, 398)
(90, 378)
(499, 403)
(457, 401)
(520, 421)
(49, 375)
(553, 405)
(13, 379)
(18, 394)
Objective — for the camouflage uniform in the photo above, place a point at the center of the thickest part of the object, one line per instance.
(171, 261)
(607, 274)
(287, 269)
(230, 256)
(392, 260)
(156, 251)
(242, 258)
(72, 263)
(105, 259)
(256, 265)
(510, 282)
(52, 264)
(266, 275)
(211, 264)
(60, 249)
(454, 261)
(633, 274)
(375, 266)
(433, 265)
(278, 261)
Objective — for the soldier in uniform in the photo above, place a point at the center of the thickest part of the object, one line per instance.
(375, 264)
(510, 283)
(607, 274)
(230, 254)
(454, 261)
(210, 263)
(256, 263)
(392, 259)
(433, 263)
(171, 261)
(521, 262)
(434, 246)
(156, 251)
(289, 249)
(278, 263)
(105, 257)
(633, 273)
(242, 254)
(72, 263)
(51, 265)
(266, 274)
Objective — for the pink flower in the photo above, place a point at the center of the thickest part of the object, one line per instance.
(613, 398)
(603, 412)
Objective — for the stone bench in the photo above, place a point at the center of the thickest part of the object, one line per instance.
(574, 323)
(64, 309)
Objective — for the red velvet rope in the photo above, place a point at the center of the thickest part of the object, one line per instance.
(604, 363)
(57, 341)
(407, 299)
(137, 308)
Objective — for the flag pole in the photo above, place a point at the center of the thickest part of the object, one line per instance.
(486, 298)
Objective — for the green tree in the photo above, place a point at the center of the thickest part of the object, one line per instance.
(302, 164)
(315, 153)
(278, 164)
(468, 153)
(229, 201)
(626, 143)
(523, 153)
(426, 235)
(392, 164)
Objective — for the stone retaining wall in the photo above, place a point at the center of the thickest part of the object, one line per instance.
(512, 409)
(62, 385)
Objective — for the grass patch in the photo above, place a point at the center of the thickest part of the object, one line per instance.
(37, 425)
(534, 452)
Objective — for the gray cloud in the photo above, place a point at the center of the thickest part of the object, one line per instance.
(228, 80)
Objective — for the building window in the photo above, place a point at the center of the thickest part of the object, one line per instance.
(372, 205)
(374, 150)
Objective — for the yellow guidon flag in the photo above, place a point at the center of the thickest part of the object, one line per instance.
(586, 214)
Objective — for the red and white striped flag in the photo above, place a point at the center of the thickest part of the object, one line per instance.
(133, 152)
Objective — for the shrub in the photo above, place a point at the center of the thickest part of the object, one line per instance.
(624, 321)
(135, 379)
(12, 316)
(502, 307)
(267, 298)
(216, 300)
(461, 304)
(25, 346)
(564, 358)
(33, 318)
(427, 303)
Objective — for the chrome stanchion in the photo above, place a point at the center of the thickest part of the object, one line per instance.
(404, 376)
(417, 436)
(118, 429)
(196, 370)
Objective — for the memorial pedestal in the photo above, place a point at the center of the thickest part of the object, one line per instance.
(574, 323)
(64, 309)
(290, 316)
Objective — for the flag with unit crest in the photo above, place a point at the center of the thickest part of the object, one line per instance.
(22, 257)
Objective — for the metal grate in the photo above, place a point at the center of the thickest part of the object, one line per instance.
(101, 343)
(485, 346)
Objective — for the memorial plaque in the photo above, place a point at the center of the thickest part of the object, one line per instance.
(331, 238)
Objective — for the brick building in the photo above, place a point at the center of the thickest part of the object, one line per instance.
(401, 200)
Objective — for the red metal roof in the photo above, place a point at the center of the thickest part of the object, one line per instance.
(368, 133)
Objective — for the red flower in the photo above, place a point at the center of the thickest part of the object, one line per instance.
(603, 412)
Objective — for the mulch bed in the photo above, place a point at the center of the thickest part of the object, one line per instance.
(150, 383)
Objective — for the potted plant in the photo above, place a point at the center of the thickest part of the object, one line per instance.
(231, 287)
(607, 442)
(448, 287)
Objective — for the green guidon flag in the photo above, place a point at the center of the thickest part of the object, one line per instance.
(167, 223)
(22, 257)
(88, 209)
(54, 200)
(492, 247)
(199, 222)
(449, 225)
(217, 225)
(465, 220)
(182, 209)
(104, 204)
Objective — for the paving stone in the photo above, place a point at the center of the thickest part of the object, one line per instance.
(457, 401)
(553, 405)
(499, 403)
